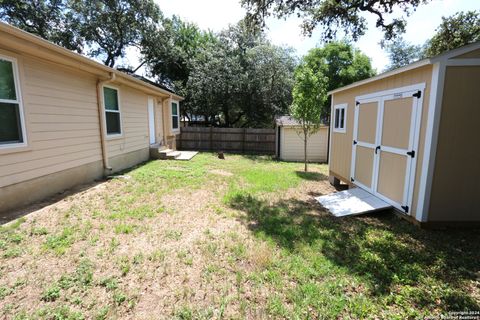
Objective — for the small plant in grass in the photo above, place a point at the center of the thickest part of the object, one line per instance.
(114, 244)
(59, 243)
(124, 228)
(157, 256)
(119, 297)
(102, 313)
(51, 294)
(41, 231)
(109, 283)
(124, 265)
(12, 252)
(5, 291)
(57, 313)
(173, 234)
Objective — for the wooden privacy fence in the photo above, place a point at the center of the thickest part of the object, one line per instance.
(235, 140)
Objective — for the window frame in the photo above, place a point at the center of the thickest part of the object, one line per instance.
(175, 130)
(19, 101)
(119, 111)
(340, 107)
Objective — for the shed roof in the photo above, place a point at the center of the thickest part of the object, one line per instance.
(414, 65)
(82, 62)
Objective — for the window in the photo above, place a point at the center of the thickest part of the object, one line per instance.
(340, 118)
(175, 117)
(112, 111)
(12, 131)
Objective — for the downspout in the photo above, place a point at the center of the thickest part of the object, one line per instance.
(101, 118)
(164, 138)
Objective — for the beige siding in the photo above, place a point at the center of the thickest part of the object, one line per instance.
(455, 187)
(292, 147)
(134, 115)
(341, 148)
(61, 120)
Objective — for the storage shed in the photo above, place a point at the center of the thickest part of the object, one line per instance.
(410, 137)
(290, 145)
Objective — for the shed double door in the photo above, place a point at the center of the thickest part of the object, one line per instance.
(386, 130)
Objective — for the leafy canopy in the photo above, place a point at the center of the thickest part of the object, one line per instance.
(455, 31)
(341, 64)
(401, 53)
(334, 15)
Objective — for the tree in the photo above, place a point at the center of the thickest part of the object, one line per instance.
(109, 27)
(309, 95)
(402, 53)
(171, 52)
(455, 31)
(332, 15)
(341, 64)
(49, 19)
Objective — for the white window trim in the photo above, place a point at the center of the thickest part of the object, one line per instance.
(178, 115)
(340, 106)
(18, 101)
(119, 111)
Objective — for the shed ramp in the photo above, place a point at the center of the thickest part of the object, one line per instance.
(352, 202)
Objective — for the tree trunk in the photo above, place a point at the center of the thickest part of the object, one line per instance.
(305, 148)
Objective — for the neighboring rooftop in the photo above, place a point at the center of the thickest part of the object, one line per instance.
(287, 121)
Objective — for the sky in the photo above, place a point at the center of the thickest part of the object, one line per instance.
(218, 14)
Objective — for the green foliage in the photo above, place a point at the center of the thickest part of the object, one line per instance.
(51, 294)
(333, 16)
(402, 53)
(123, 24)
(234, 78)
(48, 19)
(455, 31)
(59, 243)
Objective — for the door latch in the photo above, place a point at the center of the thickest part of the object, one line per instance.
(377, 148)
(411, 153)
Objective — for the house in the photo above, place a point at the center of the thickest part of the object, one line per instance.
(290, 144)
(409, 137)
(66, 119)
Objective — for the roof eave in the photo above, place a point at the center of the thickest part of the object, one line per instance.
(16, 32)
(384, 75)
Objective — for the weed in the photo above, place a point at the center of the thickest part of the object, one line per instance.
(59, 243)
(51, 294)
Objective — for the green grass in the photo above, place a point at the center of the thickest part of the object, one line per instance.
(287, 260)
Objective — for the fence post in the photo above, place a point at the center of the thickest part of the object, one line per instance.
(211, 144)
(180, 140)
(243, 140)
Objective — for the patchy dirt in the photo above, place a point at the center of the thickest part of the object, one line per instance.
(221, 172)
(195, 254)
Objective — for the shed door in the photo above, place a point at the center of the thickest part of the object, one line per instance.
(385, 143)
(364, 144)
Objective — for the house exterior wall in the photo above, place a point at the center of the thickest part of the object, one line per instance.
(61, 120)
(292, 148)
(63, 129)
(341, 143)
(455, 188)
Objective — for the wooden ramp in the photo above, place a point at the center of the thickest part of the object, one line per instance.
(352, 202)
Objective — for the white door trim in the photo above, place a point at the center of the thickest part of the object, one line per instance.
(151, 120)
(414, 136)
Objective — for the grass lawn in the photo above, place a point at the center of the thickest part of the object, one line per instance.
(236, 238)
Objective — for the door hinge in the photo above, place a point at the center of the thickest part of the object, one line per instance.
(411, 153)
(418, 94)
(405, 208)
(354, 141)
(351, 179)
(357, 103)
